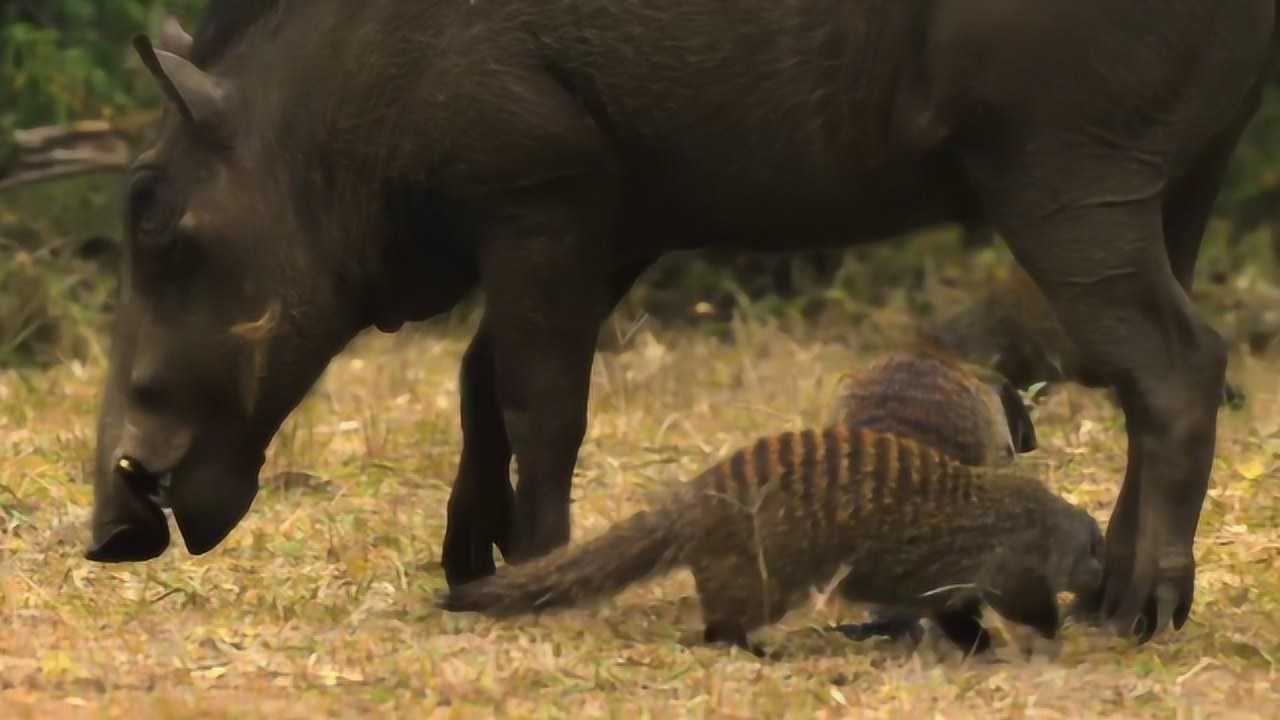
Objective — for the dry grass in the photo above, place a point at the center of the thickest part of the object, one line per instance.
(320, 603)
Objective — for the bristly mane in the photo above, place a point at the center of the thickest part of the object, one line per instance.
(223, 22)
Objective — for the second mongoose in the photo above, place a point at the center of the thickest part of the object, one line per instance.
(971, 413)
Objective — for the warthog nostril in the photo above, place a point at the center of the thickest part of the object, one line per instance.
(128, 467)
(136, 474)
(142, 480)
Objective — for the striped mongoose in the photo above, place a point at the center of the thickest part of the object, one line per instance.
(759, 529)
(969, 412)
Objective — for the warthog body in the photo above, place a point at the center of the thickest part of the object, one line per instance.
(330, 165)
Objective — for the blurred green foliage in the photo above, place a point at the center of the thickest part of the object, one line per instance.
(56, 283)
(63, 60)
(1251, 196)
(67, 59)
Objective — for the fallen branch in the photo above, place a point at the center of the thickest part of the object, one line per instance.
(60, 151)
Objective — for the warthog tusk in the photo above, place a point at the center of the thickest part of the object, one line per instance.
(257, 333)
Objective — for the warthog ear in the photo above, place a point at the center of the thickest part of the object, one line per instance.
(199, 97)
(174, 39)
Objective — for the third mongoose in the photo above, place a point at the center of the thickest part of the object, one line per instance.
(1012, 329)
(912, 528)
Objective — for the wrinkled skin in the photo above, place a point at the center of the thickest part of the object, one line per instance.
(359, 164)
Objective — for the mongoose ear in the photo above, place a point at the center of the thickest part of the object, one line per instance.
(1023, 595)
(1021, 429)
(1086, 576)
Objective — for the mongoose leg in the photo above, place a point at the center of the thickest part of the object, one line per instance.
(734, 601)
(894, 623)
(961, 625)
(1025, 596)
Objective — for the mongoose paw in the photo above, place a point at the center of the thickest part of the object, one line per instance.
(895, 628)
(1085, 610)
(732, 634)
(1233, 396)
(1028, 644)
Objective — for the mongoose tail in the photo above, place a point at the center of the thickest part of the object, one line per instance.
(645, 544)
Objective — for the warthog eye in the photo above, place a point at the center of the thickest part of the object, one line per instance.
(150, 215)
(163, 246)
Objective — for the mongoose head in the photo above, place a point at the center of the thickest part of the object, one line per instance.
(1075, 551)
(971, 413)
(1061, 551)
(1011, 424)
(1011, 329)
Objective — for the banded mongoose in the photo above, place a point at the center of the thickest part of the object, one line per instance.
(764, 526)
(971, 413)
